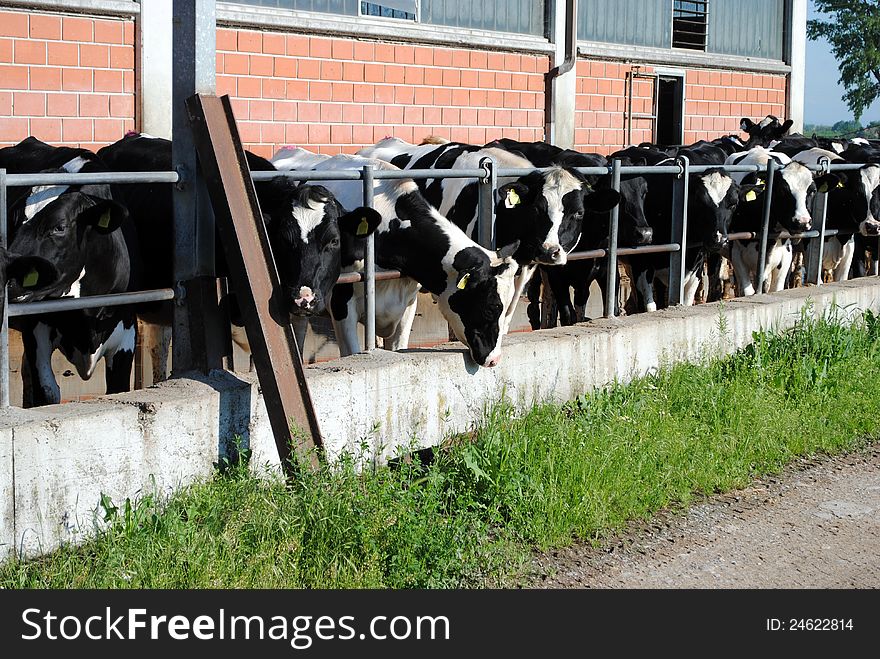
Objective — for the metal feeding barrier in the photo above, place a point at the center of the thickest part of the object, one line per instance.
(486, 176)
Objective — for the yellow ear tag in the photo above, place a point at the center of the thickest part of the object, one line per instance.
(463, 281)
(512, 199)
(364, 227)
(30, 279)
(751, 195)
(104, 222)
(823, 187)
(840, 184)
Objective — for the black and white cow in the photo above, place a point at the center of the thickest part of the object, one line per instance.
(85, 233)
(766, 132)
(473, 286)
(542, 212)
(793, 192)
(313, 238)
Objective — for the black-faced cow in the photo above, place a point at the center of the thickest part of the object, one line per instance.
(766, 132)
(473, 286)
(313, 238)
(84, 232)
(23, 273)
(793, 192)
(542, 212)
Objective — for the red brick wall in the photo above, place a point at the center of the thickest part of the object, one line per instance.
(715, 101)
(338, 95)
(65, 79)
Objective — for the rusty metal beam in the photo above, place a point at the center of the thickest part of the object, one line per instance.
(254, 278)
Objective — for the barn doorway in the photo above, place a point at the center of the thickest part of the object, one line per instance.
(670, 110)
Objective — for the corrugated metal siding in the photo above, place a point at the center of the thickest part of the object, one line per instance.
(635, 22)
(519, 16)
(349, 7)
(746, 27)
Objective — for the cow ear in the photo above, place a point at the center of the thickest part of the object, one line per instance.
(361, 222)
(513, 194)
(30, 271)
(750, 192)
(786, 127)
(507, 250)
(105, 216)
(746, 124)
(601, 201)
(830, 181)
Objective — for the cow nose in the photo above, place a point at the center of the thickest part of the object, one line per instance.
(306, 298)
(554, 252)
(870, 228)
(493, 359)
(644, 235)
(803, 222)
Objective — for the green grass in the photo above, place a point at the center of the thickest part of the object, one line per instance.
(536, 479)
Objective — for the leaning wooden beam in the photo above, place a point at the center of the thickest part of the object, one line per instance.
(254, 278)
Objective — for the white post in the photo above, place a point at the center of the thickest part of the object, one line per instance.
(559, 128)
(153, 72)
(796, 55)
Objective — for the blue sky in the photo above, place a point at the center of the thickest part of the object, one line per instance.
(823, 95)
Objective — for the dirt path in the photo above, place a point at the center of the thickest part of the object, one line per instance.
(816, 525)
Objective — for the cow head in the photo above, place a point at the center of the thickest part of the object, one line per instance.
(712, 199)
(24, 273)
(854, 199)
(60, 224)
(479, 290)
(312, 237)
(545, 213)
(765, 132)
(793, 192)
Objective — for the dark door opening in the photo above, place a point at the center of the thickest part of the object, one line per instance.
(670, 110)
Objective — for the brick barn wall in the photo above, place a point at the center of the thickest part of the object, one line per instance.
(65, 79)
(337, 95)
(715, 101)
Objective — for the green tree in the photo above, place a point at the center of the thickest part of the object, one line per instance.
(852, 27)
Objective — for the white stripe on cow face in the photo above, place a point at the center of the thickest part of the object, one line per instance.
(557, 184)
(43, 195)
(75, 165)
(308, 218)
(40, 197)
(799, 179)
(717, 186)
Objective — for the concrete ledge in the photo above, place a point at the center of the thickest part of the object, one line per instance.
(56, 461)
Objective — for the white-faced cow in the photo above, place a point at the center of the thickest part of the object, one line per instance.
(312, 236)
(542, 213)
(473, 286)
(793, 192)
(85, 233)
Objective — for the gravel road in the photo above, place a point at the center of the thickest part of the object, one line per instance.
(815, 525)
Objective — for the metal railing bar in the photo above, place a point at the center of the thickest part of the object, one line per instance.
(78, 178)
(89, 302)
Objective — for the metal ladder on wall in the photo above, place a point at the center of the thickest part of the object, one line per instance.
(629, 116)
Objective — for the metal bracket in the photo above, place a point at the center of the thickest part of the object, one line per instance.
(183, 177)
(824, 165)
(487, 164)
(179, 293)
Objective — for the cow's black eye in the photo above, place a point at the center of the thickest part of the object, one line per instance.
(58, 230)
(332, 244)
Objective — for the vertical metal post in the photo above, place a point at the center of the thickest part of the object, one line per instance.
(816, 246)
(678, 260)
(198, 340)
(611, 281)
(4, 328)
(486, 204)
(765, 227)
(369, 269)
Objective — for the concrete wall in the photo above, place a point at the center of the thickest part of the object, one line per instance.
(55, 462)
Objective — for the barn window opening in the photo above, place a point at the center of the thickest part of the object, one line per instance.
(401, 9)
(689, 22)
